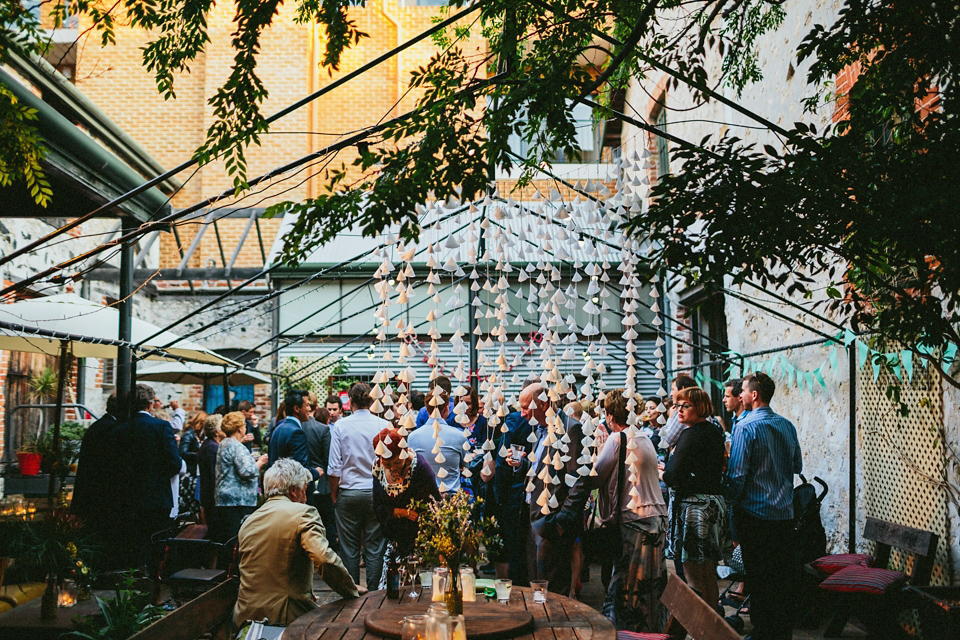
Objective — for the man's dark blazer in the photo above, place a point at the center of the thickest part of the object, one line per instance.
(573, 448)
(93, 487)
(289, 441)
(508, 483)
(318, 447)
(147, 453)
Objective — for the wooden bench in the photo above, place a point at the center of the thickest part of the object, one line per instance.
(211, 612)
(875, 593)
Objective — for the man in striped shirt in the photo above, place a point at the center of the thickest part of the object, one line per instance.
(764, 457)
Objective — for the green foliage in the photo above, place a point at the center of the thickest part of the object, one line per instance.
(868, 204)
(526, 84)
(125, 614)
(21, 148)
(448, 533)
(71, 435)
(53, 543)
(43, 385)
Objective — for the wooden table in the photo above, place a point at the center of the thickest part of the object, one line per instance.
(561, 618)
(24, 621)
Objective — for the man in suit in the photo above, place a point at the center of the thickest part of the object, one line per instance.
(508, 484)
(288, 439)
(147, 458)
(554, 455)
(318, 447)
(93, 488)
(279, 546)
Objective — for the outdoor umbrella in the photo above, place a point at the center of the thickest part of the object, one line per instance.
(194, 373)
(65, 325)
(93, 330)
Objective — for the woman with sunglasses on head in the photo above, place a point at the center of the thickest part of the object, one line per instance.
(694, 470)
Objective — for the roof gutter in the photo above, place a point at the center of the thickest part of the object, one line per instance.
(71, 103)
(88, 160)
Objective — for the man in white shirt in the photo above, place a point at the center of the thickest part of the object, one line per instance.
(350, 471)
(441, 445)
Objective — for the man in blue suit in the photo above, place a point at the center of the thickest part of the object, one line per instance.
(509, 482)
(147, 459)
(288, 439)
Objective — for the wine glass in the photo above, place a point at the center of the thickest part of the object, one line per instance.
(413, 570)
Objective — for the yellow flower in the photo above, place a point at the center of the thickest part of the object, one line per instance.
(72, 549)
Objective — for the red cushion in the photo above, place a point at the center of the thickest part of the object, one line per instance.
(864, 580)
(633, 635)
(829, 565)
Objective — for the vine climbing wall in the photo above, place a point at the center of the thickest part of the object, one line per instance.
(903, 456)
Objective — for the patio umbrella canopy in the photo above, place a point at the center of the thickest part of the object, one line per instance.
(195, 373)
(89, 324)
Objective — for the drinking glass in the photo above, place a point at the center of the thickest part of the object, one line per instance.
(414, 628)
(413, 570)
(539, 589)
(503, 590)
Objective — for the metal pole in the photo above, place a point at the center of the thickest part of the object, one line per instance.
(58, 413)
(852, 536)
(226, 391)
(125, 332)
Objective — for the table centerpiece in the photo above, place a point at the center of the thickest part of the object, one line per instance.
(450, 536)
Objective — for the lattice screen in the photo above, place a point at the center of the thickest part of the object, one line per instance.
(903, 457)
(318, 369)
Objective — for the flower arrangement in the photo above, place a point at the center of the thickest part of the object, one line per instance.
(450, 536)
(54, 543)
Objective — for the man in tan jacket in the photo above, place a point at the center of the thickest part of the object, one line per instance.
(279, 545)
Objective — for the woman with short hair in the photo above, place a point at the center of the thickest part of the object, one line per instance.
(207, 470)
(237, 475)
(189, 451)
(694, 470)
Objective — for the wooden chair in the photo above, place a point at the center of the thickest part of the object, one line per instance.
(689, 614)
(875, 593)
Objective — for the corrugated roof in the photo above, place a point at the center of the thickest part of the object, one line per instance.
(359, 363)
(527, 231)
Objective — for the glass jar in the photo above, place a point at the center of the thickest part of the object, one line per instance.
(441, 582)
(414, 628)
(468, 584)
(438, 622)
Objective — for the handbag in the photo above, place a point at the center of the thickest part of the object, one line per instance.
(603, 542)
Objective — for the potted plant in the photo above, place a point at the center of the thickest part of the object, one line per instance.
(43, 385)
(128, 612)
(52, 547)
(28, 458)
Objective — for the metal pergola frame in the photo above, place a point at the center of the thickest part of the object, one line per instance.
(129, 272)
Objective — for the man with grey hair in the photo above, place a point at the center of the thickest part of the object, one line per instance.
(279, 545)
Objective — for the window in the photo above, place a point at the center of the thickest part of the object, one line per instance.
(588, 139)
(109, 377)
(663, 145)
(707, 317)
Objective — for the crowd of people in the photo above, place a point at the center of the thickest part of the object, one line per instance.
(338, 489)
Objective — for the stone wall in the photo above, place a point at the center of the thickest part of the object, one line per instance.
(822, 419)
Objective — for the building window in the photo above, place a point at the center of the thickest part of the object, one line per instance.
(109, 377)
(663, 145)
(589, 139)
